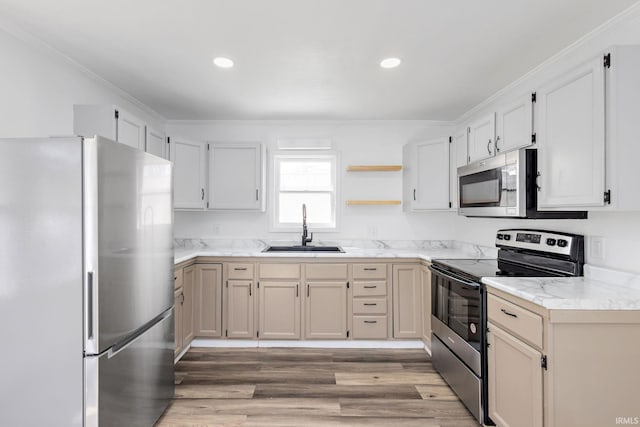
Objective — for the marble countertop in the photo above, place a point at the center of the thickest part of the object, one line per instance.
(599, 289)
(186, 249)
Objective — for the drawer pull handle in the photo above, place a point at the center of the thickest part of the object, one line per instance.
(240, 268)
(370, 269)
(370, 287)
(507, 313)
(370, 303)
(370, 321)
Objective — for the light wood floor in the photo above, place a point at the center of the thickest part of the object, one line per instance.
(312, 387)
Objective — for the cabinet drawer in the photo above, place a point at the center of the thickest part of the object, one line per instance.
(279, 271)
(369, 327)
(326, 271)
(369, 271)
(522, 322)
(370, 306)
(366, 289)
(177, 278)
(240, 271)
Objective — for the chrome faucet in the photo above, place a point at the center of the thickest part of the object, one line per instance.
(305, 232)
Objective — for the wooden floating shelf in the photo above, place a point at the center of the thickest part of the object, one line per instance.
(374, 168)
(372, 202)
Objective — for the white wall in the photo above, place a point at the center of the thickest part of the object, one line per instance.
(39, 87)
(358, 142)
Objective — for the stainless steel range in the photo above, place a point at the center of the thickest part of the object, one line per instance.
(458, 303)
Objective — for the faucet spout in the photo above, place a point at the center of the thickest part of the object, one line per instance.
(305, 232)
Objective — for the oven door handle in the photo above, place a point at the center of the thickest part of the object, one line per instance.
(453, 276)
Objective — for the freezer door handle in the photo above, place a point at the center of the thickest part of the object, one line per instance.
(117, 348)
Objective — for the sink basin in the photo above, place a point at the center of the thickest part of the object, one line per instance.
(303, 249)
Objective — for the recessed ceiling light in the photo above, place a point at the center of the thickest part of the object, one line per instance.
(223, 62)
(390, 62)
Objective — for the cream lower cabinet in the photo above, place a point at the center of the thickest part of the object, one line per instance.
(240, 289)
(515, 380)
(325, 301)
(279, 295)
(407, 301)
(425, 280)
(188, 286)
(370, 302)
(208, 297)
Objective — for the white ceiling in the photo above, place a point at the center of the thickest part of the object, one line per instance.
(310, 59)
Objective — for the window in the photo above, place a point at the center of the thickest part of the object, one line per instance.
(308, 179)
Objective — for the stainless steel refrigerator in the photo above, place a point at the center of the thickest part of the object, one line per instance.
(86, 290)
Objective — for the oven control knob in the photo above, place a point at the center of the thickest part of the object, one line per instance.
(562, 243)
(551, 242)
(507, 237)
(500, 237)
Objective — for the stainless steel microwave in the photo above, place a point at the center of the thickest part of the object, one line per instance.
(504, 186)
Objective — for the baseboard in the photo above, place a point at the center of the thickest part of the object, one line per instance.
(218, 343)
(182, 353)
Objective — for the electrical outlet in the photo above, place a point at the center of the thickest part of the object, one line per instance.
(215, 228)
(596, 248)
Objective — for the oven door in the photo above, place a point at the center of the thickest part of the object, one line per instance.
(493, 187)
(457, 317)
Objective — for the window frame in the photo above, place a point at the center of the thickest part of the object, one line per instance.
(276, 157)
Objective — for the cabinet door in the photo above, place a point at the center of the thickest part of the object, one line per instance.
(425, 276)
(189, 171)
(156, 143)
(131, 130)
(431, 175)
(326, 310)
(515, 381)
(188, 284)
(481, 138)
(407, 301)
(279, 310)
(239, 309)
(458, 153)
(236, 176)
(514, 123)
(177, 317)
(570, 136)
(208, 300)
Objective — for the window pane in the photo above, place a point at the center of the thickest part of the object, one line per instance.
(318, 208)
(302, 174)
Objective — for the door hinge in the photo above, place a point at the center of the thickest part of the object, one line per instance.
(450, 140)
(168, 140)
(347, 334)
(543, 362)
(468, 159)
(607, 61)
(533, 138)
(258, 285)
(207, 205)
(226, 332)
(607, 197)
(117, 114)
(533, 97)
(227, 283)
(347, 285)
(469, 129)
(450, 205)
(258, 334)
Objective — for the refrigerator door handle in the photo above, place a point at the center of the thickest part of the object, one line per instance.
(122, 345)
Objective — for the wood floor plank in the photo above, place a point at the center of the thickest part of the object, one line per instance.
(436, 392)
(376, 378)
(404, 408)
(281, 406)
(222, 377)
(328, 421)
(195, 420)
(322, 391)
(197, 391)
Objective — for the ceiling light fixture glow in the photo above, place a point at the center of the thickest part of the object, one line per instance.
(223, 62)
(390, 62)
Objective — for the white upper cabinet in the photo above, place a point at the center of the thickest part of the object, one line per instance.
(514, 124)
(570, 133)
(189, 173)
(426, 175)
(110, 122)
(482, 134)
(237, 176)
(156, 143)
(457, 157)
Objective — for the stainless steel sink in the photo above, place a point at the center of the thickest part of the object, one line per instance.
(303, 249)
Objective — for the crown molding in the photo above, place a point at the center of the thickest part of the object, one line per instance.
(629, 13)
(227, 122)
(45, 48)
